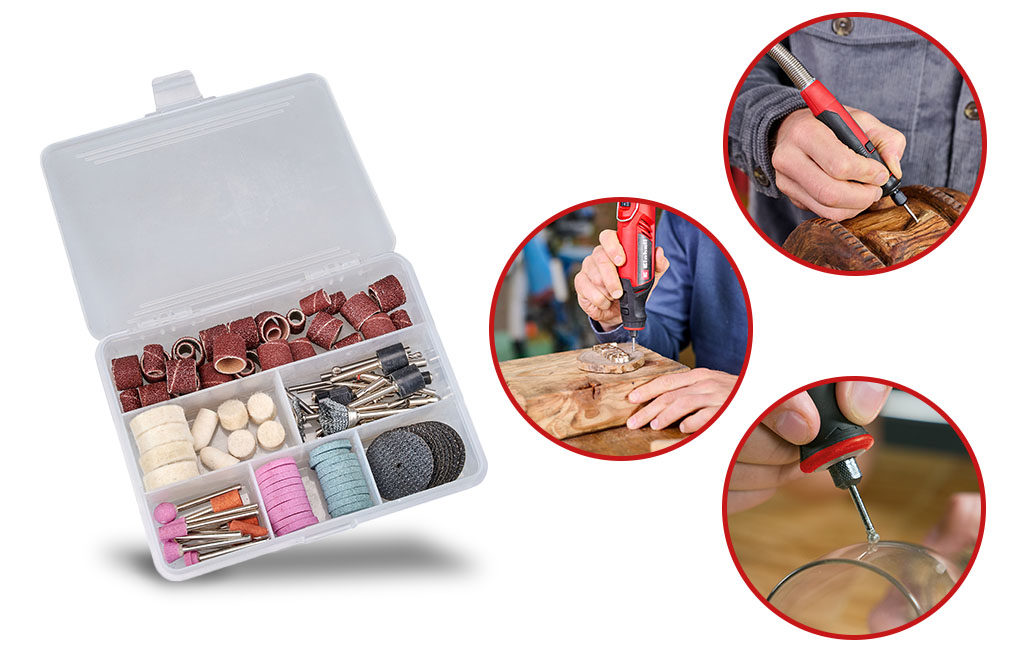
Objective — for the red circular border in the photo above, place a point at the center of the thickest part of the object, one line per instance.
(981, 167)
(739, 567)
(501, 281)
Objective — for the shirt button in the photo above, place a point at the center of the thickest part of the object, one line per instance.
(761, 177)
(971, 111)
(842, 26)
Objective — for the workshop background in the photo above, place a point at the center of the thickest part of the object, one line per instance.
(536, 312)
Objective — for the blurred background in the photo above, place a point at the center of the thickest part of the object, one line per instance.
(536, 311)
(917, 465)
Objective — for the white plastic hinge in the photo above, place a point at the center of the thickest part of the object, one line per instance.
(162, 319)
(175, 91)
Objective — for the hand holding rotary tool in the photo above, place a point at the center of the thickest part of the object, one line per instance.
(600, 284)
(810, 173)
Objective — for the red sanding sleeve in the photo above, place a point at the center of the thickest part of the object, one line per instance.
(388, 293)
(154, 393)
(323, 329)
(208, 376)
(377, 325)
(401, 319)
(274, 354)
(130, 400)
(301, 349)
(229, 353)
(314, 302)
(246, 328)
(153, 358)
(351, 339)
(337, 300)
(182, 377)
(207, 336)
(127, 372)
(358, 308)
(272, 326)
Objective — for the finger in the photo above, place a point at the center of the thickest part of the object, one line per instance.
(665, 383)
(698, 419)
(861, 401)
(603, 273)
(800, 198)
(661, 262)
(612, 247)
(764, 447)
(586, 290)
(682, 403)
(824, 186)
(762, 477)
(836, 159)
(890, 143)
(796, 420)
(745, 499)
(648, 413)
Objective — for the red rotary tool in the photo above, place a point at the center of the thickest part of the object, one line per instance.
(836, 447)
(832, 114)
(635, 228)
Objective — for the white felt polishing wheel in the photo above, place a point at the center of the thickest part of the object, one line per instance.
(233, 415)
(161, 435)
(241, 443)
(172, 452)
(214, 458)
(203, 428)
(261, 408)
(156, 416)
(270, 434)
(168, 474)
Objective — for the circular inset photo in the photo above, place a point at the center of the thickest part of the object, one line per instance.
(620, 328)
(855, 143)
(853, 507)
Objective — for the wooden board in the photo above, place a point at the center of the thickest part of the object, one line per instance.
(621, 441)
(565, 401)
(879, 238)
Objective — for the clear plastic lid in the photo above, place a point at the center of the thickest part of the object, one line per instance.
(206, 199)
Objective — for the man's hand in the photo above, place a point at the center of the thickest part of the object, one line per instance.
(695, 395)
(821, 174)
(770, 457)
(597, 284)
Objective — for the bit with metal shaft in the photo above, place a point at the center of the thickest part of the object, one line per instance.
(834, 115)
(835, 448)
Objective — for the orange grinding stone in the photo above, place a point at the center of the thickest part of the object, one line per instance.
(243, 526)
(226, 501)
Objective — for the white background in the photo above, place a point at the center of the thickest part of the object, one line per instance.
(476, 123)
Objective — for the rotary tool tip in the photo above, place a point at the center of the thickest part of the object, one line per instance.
(911, 213)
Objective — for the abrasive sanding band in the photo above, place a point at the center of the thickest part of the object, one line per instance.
(272, 326)
(314, 302)
(127, 372)
(301, 349)
(207, 336)
(323, 329)
(208, 376)
(377, 325)
(153, 358)
(388, 293)
(130, 400)
(182, 377)
(274, 354)
(337, 300)
(358, 308)
(246, 328)
(229, 353)
(351, 339)
(154, 393)
(296, 320)
(188, 347)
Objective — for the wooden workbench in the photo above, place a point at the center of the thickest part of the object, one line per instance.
(569, 403)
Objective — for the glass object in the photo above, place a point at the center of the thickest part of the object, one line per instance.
(865, 588)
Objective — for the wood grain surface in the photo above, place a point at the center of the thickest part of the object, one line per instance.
(565, 401)
(905, 490)
(621, 441)
(882, 237)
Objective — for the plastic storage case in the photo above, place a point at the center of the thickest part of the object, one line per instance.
(211, 209)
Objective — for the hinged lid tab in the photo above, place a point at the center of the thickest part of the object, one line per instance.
(172, 210)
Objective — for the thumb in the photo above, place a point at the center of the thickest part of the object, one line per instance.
(861, 401)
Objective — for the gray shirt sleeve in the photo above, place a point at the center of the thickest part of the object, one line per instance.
(761, 104)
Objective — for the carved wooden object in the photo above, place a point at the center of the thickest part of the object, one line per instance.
(879, 238)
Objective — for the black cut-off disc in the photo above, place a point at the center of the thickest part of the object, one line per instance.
(447, 447)
(401, 462)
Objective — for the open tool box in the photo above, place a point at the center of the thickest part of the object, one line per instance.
(213, 209)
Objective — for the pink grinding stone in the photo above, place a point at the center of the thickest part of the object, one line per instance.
(191, 557)
(246, 328)
(274, 354)
(208, 376)
(401, 319)
(294, 518)
(284, 494)
(288, 509)
(153, 358)
(154, 393)
(377, 325)
(358, 308)
(301, 349)
(272, 326)
(165, 512)
(274, 481)
(388, 293)
(262, 470)
(351, 339)
(182, 377)
(207, 337)
(127, 372)
(337, 300)
(314, 302)
(130, 400)
(323, 329)
(172, 551)
(177, 528)
(229, 353)
(298, 525)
